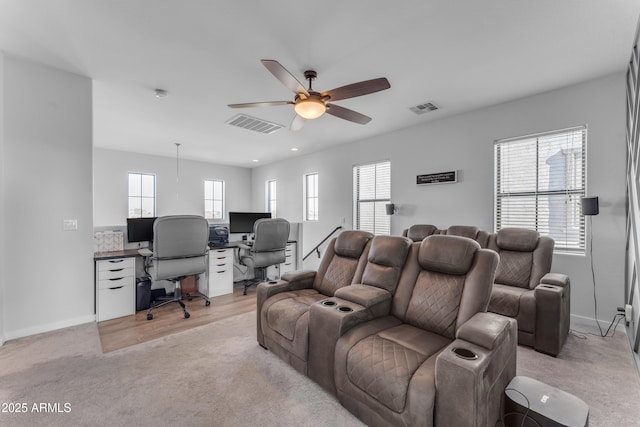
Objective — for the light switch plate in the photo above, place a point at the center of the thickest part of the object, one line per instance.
(70, 224)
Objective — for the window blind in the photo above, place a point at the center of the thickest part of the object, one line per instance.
(539, 181)
(372, 190)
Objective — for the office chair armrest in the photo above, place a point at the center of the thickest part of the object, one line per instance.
(145, 252)
(243, 246)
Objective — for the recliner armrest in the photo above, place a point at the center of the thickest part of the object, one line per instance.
(364, 295)
(487, 330)
(469, 390)
(557, 279)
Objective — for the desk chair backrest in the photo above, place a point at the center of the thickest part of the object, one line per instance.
(270, 241)
(180, 245)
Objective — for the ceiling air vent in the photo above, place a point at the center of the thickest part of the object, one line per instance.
(254, 124)
(424, 108)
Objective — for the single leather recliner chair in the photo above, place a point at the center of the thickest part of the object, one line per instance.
(525, 290)
(283, 307)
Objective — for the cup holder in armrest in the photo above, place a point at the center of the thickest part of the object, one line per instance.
(464, 353)
(328, 303)
(345, 309)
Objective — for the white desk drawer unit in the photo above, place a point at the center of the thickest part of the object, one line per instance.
(115, 288)
(220, 272)
(290, 260)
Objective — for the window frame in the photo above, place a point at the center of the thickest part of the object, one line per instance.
(213, 199)
(141, 197)
(271, 203)
(314, 196)
(569, 234)
(379, 209)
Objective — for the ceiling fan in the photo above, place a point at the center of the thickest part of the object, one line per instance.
(310, 104)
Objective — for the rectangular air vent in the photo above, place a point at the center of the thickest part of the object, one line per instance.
(253, 123)
(424, 108)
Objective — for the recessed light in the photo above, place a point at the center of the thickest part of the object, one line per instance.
(255, 160)
(294, 149)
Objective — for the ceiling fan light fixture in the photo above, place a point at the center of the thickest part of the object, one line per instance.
(310, 108)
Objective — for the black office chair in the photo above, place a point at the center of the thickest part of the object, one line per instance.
(268, 248)
(180, 245)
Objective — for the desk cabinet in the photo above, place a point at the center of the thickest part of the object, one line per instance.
(290, 261)
(115, 288)
(220, 272)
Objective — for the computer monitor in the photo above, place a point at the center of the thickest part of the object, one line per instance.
(140, 229)
(242, 222)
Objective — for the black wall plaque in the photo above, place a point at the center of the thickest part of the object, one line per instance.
(437, 178)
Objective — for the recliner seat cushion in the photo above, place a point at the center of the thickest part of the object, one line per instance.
(382, 365)
(505, 300)
(285, 319)
(283, 315)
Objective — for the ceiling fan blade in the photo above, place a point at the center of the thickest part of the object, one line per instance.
(297, 123)
(260, 104)
(357, 89)
(347, 114)
(284, 76)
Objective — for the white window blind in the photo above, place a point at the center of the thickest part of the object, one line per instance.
(214, 199)
(371, 191)
(142, 195)
(539, 181)
(311, 197)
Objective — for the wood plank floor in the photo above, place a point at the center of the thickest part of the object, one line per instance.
(130, 330)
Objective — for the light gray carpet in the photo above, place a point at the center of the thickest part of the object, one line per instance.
(217, 375)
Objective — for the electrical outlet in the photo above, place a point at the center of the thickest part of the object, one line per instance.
(69, 224)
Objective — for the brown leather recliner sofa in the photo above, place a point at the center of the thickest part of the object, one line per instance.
(385, 346)
(525, 290)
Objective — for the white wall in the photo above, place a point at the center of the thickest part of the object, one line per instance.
(2, 204)
(48, 272)
(465, 143)
(185, 196)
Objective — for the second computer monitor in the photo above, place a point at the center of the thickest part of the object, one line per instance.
(242, 222)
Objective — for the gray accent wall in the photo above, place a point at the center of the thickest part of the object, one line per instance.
(47, 276)
(465, 143)
(632, 287)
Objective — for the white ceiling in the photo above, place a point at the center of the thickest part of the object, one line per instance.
(462, 55)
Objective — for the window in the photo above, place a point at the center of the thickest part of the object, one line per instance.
(539, 181)
(311, 197)
(214, 199)
(271, 197)
(142, 195)
(371, 191)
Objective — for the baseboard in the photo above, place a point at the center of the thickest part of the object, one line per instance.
(578, 321)
(20, 333)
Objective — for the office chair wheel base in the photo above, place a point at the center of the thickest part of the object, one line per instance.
(186, 315)
(149, 316)
(207, 303)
